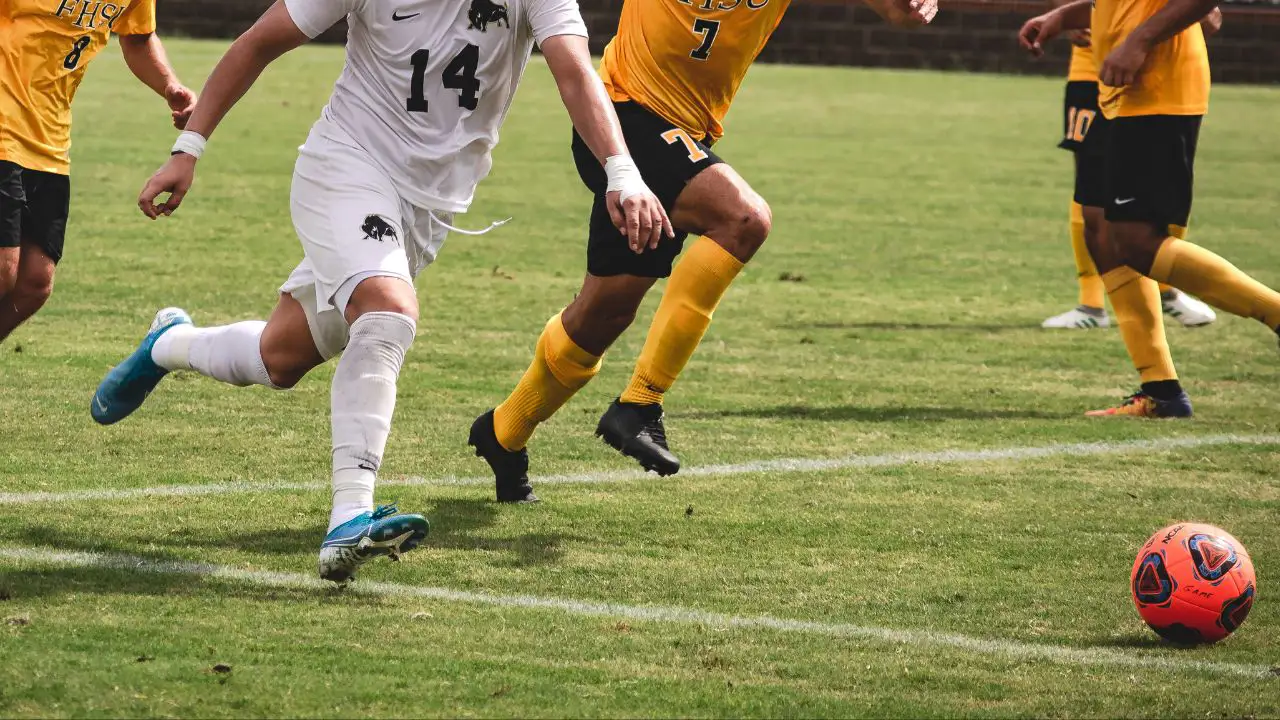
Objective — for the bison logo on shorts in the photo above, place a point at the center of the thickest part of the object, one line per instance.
(375, 228)
(483, 12)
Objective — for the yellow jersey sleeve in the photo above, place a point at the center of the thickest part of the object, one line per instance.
(686, 59)
(138, 19)
(1082, 67)
(1175, 78)
(45, 46)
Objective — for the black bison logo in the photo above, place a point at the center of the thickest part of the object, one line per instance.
(483, 12)
(375, 228)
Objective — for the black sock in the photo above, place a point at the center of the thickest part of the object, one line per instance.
(1162, 389)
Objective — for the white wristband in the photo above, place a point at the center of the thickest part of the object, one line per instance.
(191, 143)
(624, 177)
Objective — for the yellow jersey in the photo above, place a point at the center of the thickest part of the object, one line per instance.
(1175, 78)
(45, 46)
(1082, 68)
(685, 59)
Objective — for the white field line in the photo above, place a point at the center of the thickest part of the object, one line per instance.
(757, 467)
(1169, 661)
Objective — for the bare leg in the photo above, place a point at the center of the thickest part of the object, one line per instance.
(32, 286)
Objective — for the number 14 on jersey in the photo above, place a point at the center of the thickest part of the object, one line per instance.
(459, 74)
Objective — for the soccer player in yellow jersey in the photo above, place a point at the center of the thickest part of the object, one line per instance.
(1080, 109)
(672, 70)
(45, 46)
(1154, 91)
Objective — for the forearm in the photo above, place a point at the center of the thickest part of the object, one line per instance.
(1173, 18)
(584, 96)
(146, 58)
(1076, 14)
(229, 81)
(272, 36)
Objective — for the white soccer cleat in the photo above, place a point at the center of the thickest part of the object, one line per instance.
(1188, 310)
(1078, 318)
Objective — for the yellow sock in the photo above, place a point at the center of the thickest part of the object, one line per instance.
(695, 288)
(1092, 292)
(1189, 267)
(559, 369)
(1136, 302)
(1179, 232)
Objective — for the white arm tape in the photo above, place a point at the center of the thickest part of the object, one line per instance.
(191, 143)
(624, 177)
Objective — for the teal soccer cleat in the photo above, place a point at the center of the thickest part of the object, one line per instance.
(362, 538)
(128, 384)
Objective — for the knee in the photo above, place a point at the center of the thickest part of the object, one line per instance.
(747, 229)
(285, 372)
(1136, 246)
(32, 289)
(382, 294)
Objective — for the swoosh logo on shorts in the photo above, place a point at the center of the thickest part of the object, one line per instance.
(397, 17)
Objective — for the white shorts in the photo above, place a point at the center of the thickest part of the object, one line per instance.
(353, 225)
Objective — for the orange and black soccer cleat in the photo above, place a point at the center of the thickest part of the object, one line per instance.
(1142, 405)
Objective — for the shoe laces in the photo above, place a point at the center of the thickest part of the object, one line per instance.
(384, 511)
(1135, 398)
(655, 429)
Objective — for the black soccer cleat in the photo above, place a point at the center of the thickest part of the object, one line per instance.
(510, 469)
(637, 432)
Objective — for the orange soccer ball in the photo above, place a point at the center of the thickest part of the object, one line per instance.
(1193, 583)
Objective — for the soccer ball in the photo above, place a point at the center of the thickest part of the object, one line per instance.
(1193, 583)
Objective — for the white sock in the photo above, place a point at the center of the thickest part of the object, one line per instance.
(363, 400)
(230, 353)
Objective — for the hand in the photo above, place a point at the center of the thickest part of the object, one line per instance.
(182, 101)
(1081, 38)
(1212, 22)
(1122, 66)
(175, 178)
(912, 13)
(1039, 30)
(641, 218)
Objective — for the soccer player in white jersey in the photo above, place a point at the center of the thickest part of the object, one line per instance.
(398, 150)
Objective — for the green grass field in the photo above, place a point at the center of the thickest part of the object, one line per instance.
(920, 238)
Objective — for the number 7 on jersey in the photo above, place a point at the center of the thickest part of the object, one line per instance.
(708, 30)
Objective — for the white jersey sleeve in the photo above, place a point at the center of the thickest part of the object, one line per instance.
(315, 16)
(549, 18)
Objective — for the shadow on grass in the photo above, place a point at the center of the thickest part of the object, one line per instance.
(928, 327)
(454, 523)
(52, 581)
(1140, 641)
(861, 413)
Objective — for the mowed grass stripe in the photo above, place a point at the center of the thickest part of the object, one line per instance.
(780, 465)
(1020, 651)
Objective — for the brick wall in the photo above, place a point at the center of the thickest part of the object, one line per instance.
(976, 35)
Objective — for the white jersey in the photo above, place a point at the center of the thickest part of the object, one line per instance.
(427, 83)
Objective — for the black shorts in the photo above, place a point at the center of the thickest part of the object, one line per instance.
(1150, 169)
(1079, 110)
(33, 208)
(1084, 134)
(668, 158)
(1091, 164)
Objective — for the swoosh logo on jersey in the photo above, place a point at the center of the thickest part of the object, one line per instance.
(1126, 201)
(397, 17)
